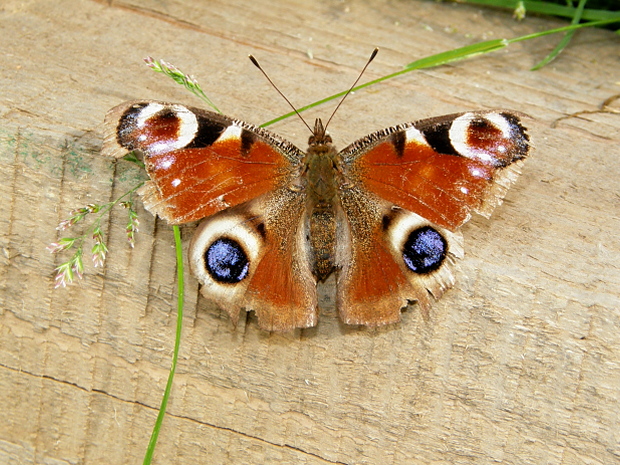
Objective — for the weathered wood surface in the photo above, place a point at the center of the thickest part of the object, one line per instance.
(519, 363)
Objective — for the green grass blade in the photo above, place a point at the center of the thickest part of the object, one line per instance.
(442, 58)
(572, 27)
(177, 343)
(565, 40)
(458, 54)
(548, 8)
(491, 45)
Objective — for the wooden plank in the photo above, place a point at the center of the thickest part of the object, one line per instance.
(519, 363)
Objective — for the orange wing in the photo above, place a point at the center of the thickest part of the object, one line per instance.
(441, 168)
(199, 162)
(389, 256)
(406, 190)
(255, 257)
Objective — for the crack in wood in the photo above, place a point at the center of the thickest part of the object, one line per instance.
(180, 417)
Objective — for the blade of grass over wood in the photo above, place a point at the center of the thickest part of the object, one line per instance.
(548, 8)
(491, 45)
(450, 56)
(148, 456)
(565, 40)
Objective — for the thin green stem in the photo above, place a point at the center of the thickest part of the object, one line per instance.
(450, 56)
(548, 8)
(110, 205)
(177, 343)
(565, 40)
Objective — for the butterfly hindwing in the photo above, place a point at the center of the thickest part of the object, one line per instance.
(389, 257)
(255, 256)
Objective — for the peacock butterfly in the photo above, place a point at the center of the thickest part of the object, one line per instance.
(383, 213)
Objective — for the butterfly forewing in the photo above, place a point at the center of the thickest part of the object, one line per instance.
(442, 168)
(199, 162)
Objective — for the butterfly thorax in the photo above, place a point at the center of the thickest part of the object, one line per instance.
(322, 195)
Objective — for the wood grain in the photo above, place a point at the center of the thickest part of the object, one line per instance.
(519, 363)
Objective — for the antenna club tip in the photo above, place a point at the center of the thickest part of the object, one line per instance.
(254, 61)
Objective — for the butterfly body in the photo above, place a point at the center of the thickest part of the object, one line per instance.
(324, 181)
(383, 213)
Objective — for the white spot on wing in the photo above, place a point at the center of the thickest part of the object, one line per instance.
(232, 132)
(147, 112)
(221, 201)
(166, 163)
(459, 130)
(500, 122)
(414, 135)
(476, 172)
(176, 182)
(188, 126)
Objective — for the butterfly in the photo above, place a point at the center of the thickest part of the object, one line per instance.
(383, 214)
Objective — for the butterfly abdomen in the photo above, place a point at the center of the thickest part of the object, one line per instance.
(322, 203)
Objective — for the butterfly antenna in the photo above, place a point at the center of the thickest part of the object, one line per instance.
(372, 57)
(255, 61)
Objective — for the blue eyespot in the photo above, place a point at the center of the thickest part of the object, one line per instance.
(425, 250)
(226, 261)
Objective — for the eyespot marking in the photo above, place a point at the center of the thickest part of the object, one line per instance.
(424, 250)
(226, 261)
